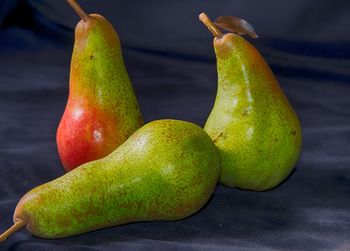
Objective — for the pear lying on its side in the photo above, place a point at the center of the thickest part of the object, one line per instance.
(167, 170)
(252, 122)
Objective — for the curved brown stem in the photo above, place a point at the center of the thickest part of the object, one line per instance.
(76, 7)
(211, 27)
(15, 227)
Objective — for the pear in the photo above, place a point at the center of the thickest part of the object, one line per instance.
(252, 122)
(166, 170)
(102, 110)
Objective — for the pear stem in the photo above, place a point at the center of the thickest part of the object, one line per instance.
(76, 7)
(210, 25)
(15, 227)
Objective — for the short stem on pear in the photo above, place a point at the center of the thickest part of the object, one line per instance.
(76, 7)
(15, 227)
(210, 25)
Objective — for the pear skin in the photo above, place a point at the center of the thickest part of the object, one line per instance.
(167, 170)
(252, 122)
(102, 110)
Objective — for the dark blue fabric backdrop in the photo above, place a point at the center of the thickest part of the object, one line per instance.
(171, 62)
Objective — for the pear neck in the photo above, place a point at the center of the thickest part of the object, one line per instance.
(234, 72)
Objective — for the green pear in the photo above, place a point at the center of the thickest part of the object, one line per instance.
(166, 170)
(252, 122)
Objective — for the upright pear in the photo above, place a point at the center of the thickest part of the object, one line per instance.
(102, 110)
(252, 123)
(167, 170)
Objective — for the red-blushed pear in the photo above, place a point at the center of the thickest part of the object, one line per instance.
(102, 110)
(252, 122)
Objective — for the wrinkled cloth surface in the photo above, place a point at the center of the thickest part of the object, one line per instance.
(170, 59)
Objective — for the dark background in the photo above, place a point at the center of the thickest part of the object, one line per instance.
(170, 59)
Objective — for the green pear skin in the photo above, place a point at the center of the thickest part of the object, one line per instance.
(252, 122)
(167, 170)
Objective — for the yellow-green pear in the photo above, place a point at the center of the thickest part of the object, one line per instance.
(167, 170)
(252, 122)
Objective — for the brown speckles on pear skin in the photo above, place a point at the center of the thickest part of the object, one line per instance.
(167, 170)
(259, 149)
(100, 91)
(218, 137)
